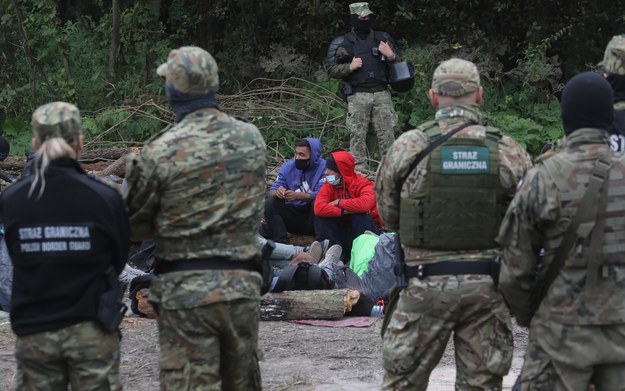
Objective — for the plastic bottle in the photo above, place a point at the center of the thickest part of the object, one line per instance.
(378, 309)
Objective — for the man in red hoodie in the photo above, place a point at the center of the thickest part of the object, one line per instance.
(345, 206)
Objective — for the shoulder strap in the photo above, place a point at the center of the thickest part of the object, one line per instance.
(427, 150)
(583, 222)
(351, 37)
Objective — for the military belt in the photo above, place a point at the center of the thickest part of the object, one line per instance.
(377, 88)
(203, 264)
(454, 268)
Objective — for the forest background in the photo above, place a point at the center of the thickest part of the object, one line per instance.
(102, 56)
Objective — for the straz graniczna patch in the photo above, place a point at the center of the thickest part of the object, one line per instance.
(464, 160)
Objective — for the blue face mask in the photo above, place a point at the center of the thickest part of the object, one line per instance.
(333, 180)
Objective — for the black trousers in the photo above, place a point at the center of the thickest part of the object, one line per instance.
(282, 217)
(343, 230)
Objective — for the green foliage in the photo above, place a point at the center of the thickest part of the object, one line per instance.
(271, 56)
(19, 135)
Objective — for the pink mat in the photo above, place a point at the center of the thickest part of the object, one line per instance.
(349, 321)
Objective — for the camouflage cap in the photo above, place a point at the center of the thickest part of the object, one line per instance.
(190, 70)
(360, 9)
(455, 77)
(614, 57)
(56, 119)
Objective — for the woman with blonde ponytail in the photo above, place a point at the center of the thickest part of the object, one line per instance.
(67, 235)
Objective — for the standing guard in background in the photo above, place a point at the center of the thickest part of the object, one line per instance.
(197, 189)
(361, 58)
(445, 187)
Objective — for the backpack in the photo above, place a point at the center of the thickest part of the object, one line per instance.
(346, 278)
(302, 277)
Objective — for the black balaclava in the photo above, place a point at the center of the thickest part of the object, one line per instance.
(362, 27)
(587, 102)
(618, 86)
(183, 104)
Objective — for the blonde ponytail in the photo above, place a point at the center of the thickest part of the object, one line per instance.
(51, 149)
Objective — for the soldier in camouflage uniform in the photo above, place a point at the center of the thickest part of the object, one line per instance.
(360, 58)
(613, 65)
(198, 190)
(448, 211)
(67, 235)
(577, 335)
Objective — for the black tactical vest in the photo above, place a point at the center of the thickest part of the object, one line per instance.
(461, 203)
(374, 68)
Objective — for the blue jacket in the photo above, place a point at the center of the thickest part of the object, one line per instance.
(314, 175)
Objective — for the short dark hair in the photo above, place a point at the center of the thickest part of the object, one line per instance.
(302, 143)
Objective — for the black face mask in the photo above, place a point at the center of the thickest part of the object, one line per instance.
(361, 26)
(301, 164)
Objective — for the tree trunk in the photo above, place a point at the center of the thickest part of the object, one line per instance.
(321, 304)
(115, 14)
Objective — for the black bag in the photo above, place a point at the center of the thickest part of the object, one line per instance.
(111, 309)
(401, 76)
(302, 277)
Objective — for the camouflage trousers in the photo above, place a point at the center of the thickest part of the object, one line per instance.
(81, 355)
(212, 347)
(375, 108)
(427, 313)
(567, 357)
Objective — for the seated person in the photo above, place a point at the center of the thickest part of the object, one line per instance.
(288, 207)
(141, 275)
(345, 206)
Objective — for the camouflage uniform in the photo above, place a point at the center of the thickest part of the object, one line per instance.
(363, 107)
(430, 309)
(198, 190)
(92, 355)
(614, 64)
(577, 335)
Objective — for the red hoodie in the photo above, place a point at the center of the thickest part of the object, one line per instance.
(355, 192)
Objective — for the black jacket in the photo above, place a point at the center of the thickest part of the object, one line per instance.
(617, 131)
(61, 245)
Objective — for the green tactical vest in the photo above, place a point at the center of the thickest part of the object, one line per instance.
(460, 204)
(564, 172)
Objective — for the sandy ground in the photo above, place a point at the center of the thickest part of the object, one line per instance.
(296, 357)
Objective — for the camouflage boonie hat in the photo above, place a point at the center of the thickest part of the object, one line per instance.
(56, 119)
(614, 57)
(455, 77)
(360, 9)
(190, 70)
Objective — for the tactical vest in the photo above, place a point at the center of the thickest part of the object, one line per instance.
(460, 203)
(374, 70)
(563, 172)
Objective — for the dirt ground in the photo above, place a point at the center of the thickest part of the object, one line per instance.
(296, 357)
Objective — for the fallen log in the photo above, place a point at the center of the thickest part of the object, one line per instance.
(319, 304)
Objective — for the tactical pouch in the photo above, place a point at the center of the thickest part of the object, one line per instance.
(111, 309)
(346, 90)
(390, 307)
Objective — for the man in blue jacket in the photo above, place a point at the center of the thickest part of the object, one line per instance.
(288, 207)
